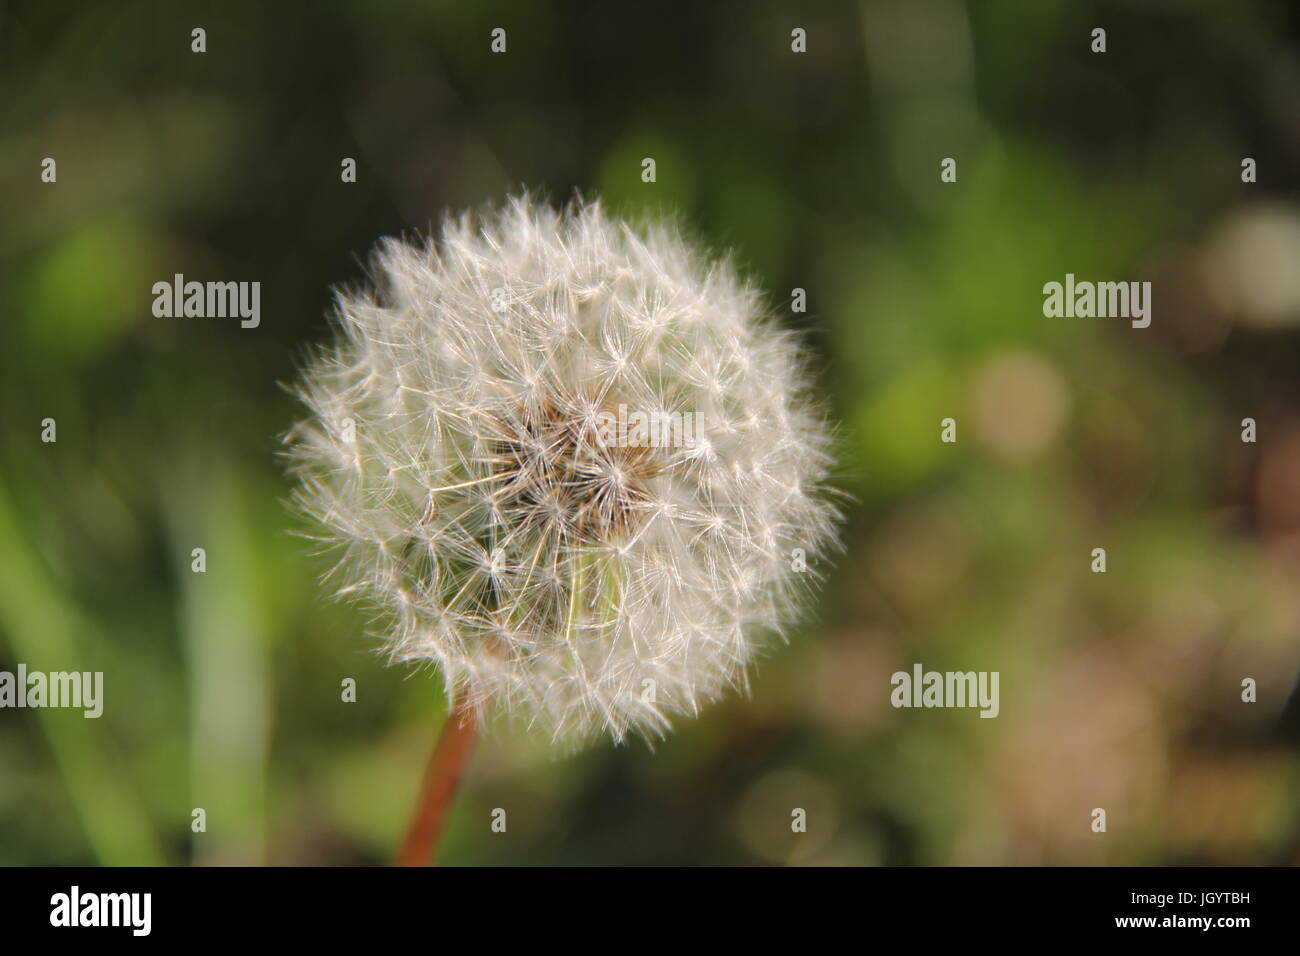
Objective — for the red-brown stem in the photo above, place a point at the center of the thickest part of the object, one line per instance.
(450, 755)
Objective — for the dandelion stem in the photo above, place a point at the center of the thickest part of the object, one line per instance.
(441, 777)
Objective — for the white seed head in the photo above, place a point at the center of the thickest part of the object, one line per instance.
(459, 455)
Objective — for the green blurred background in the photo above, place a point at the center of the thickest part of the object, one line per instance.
(1119, 690)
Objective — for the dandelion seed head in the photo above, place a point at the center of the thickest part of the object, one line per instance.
(580, 582)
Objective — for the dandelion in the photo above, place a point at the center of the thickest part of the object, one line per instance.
(470, 460)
